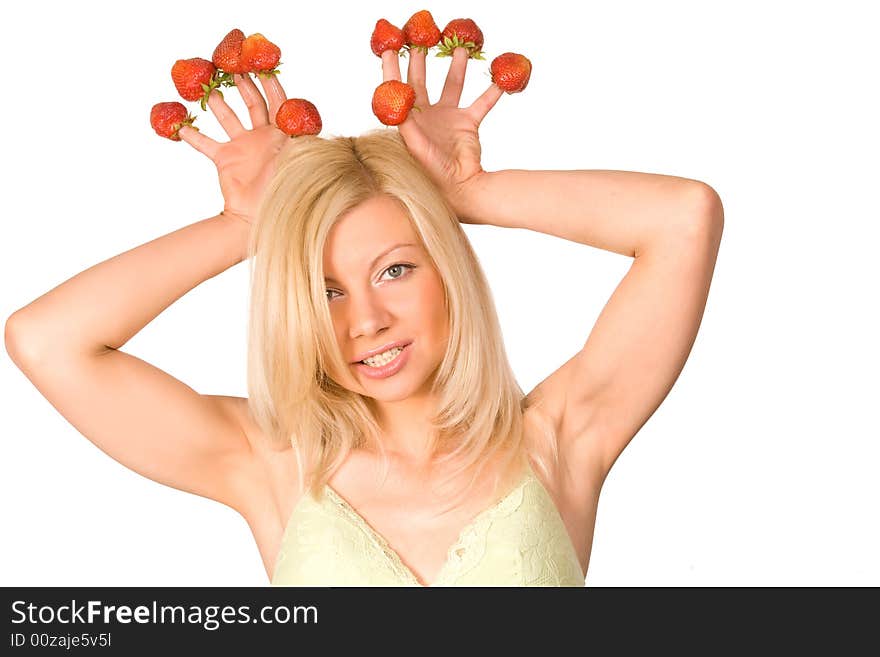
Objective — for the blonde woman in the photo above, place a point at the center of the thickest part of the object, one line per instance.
(385, 440)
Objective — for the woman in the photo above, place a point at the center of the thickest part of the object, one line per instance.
(438, 472)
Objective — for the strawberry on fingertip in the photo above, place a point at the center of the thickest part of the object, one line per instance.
(392, 101)
(511, 72)
(421, 32)
(194, 79)
(298, 116)
(227, 57)
(168, 118)
(259, 55)
(386, 37)
(237, 54)
(461, 33)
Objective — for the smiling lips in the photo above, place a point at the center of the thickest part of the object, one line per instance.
(382, 350)
(387, 369)
(383, 358)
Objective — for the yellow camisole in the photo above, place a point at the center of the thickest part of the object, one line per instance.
(519, 541)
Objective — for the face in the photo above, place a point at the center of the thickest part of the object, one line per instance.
(380, 293)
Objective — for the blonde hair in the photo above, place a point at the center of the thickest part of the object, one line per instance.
(292, 349)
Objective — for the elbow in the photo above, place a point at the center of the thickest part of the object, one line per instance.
(18, 340)
(706, 210)
(11, 333)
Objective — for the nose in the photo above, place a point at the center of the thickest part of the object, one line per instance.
(367, 315)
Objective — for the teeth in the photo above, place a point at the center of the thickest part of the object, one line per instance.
(383, 359)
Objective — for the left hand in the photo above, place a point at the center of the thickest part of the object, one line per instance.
(443, 137)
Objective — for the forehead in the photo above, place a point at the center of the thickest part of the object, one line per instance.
(365, 232)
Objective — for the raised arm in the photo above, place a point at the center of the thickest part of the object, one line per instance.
(603, 395)
(68, 341)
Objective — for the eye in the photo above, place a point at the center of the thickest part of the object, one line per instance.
(395, 266)
(400, 264)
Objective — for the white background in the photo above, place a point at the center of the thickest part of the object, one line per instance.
(760, 466)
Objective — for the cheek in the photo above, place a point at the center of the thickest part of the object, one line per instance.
(432, 306)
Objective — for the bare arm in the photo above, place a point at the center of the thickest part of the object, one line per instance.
(603, 395)
(619, 211)
(67, 342)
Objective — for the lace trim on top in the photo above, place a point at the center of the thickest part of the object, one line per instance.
(465, 552)
(520, 540)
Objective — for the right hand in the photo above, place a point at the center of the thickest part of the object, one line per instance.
(245, 163)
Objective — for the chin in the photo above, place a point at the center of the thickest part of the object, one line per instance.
(394, 390)
(387, 391)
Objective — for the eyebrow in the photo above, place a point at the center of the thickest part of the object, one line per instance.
(330, 279)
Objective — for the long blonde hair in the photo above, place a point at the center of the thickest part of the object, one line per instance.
(291, 341)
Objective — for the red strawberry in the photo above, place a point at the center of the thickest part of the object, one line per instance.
(386, 37)
(297, 116)
(392, 101)
(168, 118)
(259, 55)
(420, 31)
(511, 72)
(227, 56)
(194, 79)
(461, 32)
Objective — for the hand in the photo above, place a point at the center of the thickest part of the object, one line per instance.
(245, 163)
(443, 136)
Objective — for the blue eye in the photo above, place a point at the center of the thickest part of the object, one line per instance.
(400, 264)
(394, 266)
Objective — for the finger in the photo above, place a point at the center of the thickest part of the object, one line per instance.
(415, 75)
(253, 99)
(274, 93)
(390, 66)
(225, 116)
(455, 78)
(204, 145)
(481, 106)
(415, 139)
